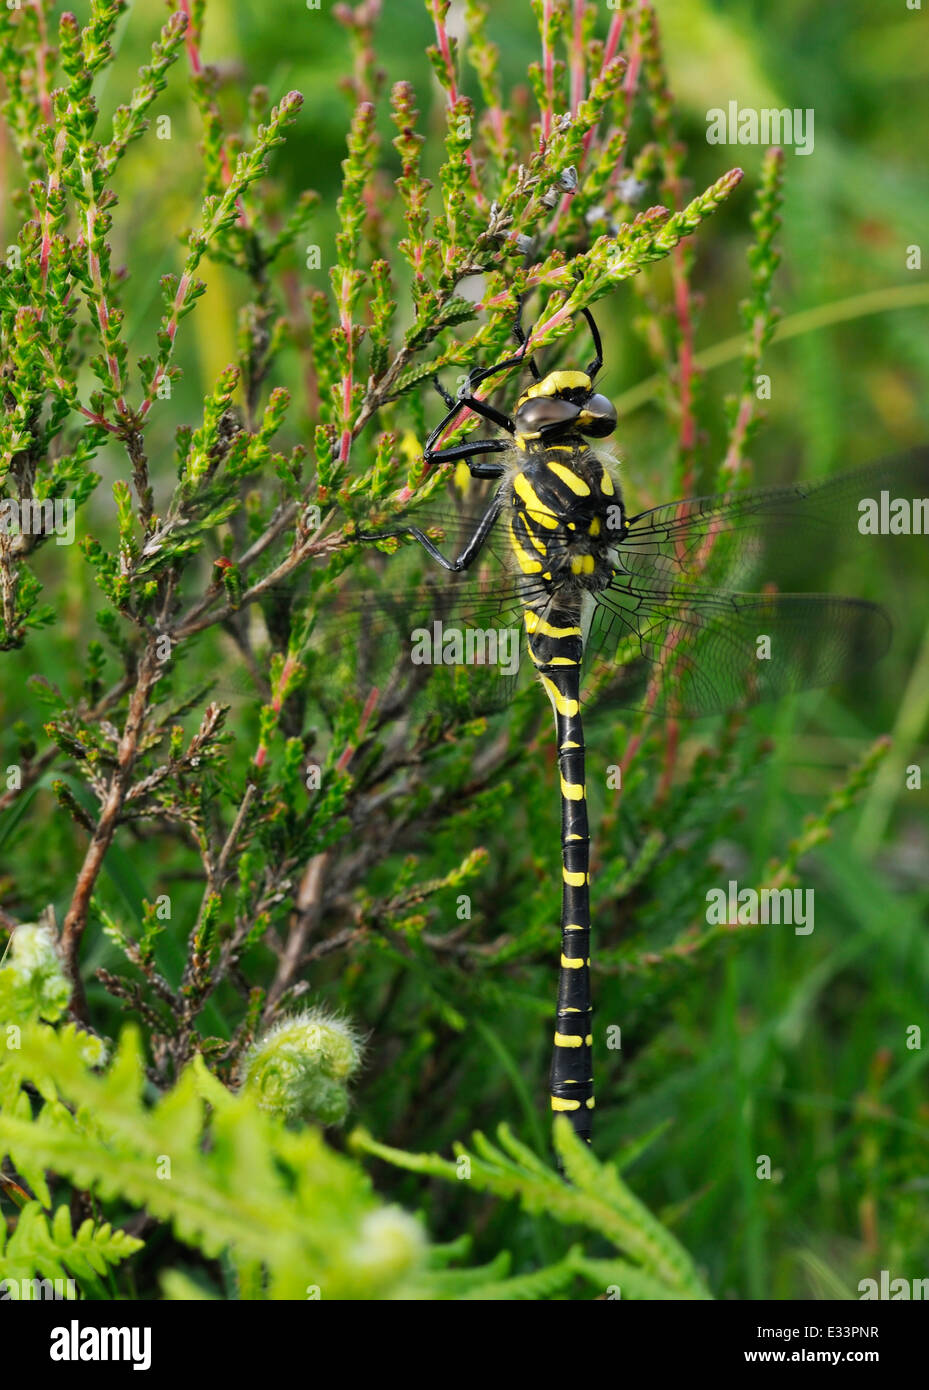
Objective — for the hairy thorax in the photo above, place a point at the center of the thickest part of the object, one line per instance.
(565, 516)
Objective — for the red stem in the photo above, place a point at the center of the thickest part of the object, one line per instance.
(192, 40)
(171, 330)
(577, 56)
(45, 100)
(548, 71)
(441, 34)
(349, 750)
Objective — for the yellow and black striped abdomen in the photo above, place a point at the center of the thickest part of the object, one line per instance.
(555, 643)
(561, 545)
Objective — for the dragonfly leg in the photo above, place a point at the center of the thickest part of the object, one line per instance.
(447, 396)
(480, 408)
(597, 363)
(471, 550)
(519, 333)
(467, 400)
(465, 451)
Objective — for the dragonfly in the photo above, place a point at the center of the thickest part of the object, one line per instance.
(648, 611)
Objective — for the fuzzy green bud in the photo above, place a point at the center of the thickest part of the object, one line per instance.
(33, 981)
(389, 1246)
(300, 1068)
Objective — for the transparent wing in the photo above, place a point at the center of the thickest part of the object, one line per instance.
(772, 533)
(404, 633)
(672, 633)
(450, 519)
(666, 636)
(693, 652)
(453, 646)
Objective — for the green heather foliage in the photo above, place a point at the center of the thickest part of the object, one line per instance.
(272, 953)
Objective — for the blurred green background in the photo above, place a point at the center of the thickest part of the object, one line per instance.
(780, 1046)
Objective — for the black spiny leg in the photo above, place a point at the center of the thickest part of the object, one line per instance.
(447, 396)
(519, 333)
(468, 450)
(467, 400)
(597, 363)
(476, 446)
(472, 549)
(468, 555)
(464, 451)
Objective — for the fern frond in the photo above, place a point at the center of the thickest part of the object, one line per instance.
(540, 1284)
(594, 1196)
(277, 1200)
(36, 1250)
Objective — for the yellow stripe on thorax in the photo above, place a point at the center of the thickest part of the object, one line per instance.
(525, 490)
(570, 478)
(526, 563)
(534, 540)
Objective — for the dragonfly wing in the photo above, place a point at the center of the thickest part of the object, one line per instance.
(451, 646)
(771, 533)
(364, 630)
(699, 651)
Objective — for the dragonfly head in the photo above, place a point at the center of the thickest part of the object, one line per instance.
(564, 401)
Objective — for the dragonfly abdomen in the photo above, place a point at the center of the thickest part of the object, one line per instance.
(572, 1088)
(561, 537)
(555, 642)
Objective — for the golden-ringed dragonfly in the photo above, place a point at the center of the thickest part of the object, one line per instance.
(679, 611)
(630, 603)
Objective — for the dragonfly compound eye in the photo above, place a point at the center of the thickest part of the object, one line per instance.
(598, 417)
(545, 413)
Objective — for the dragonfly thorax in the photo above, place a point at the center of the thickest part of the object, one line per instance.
(565, 517)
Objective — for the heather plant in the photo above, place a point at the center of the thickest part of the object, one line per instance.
(271, 913)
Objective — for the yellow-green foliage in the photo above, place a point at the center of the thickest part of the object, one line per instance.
(293, 1219)
(292, 1215)
(32, 981)
(591, 1194)
(43, 1249)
